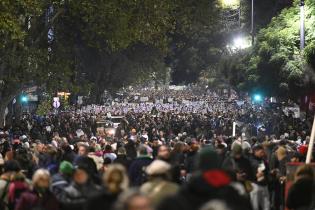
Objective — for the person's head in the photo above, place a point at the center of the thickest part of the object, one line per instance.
(121, 151)
(11, 166)
(237, 151)
(178, 147)
(116, 179)
(41, 179)
(220, 149)
(259, 151)
(133, 200)
(207, 159)
(80, 176)
(215, 205)
(40, 146)
(142, 150)
(108, 148)
(158, 168)
(66, 168)
(164, 152)
(83, 150)
(85, 168)
(304, 171)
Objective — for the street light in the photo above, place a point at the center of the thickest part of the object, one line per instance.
(24, 99)
(258, 98)
(230, 3)
(239, 42)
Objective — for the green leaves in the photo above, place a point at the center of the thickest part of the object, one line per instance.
(278, 65)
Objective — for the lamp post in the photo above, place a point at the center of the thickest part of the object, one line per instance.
(302, 25)
(252, 24)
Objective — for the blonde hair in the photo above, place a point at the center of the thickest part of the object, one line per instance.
(40, 174)
(116, 179)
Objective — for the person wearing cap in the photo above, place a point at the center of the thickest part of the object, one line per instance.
(159, 187)
(209, 182)
(82, 187)
(62, 179)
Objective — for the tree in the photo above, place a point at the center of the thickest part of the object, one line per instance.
(276, 62)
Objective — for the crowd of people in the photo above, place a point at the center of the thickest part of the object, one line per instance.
(184, 153)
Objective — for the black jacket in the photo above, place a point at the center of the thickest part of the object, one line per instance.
(300, 194)
(136, 171)
(198, 192)
(75, 197)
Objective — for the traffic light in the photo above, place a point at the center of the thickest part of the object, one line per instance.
(24, 99)
(258, 98)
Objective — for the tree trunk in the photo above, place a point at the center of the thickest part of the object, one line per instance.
(4, 102)
(3, 105)
(2, 110)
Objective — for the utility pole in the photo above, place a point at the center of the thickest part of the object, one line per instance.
(252, 24)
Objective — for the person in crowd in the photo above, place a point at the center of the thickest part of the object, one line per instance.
(301, 194)
(62, 179)
(12, 185)
(209, 182)
(108, 153)
(260, 194)
(133, 200)
(83, 186)
(159, 185)
(115, 179)
(40, 197)
(240, 167)
(122, 158)
(115, 182)
(83, 150)
(137, 168)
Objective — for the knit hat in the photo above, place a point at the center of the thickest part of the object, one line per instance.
(207, 159)
(158, 167)
(66, 168)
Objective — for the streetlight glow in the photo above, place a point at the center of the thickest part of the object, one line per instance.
(24, 99)
(230, 3)
(239, 42)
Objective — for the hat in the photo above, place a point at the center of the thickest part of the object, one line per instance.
(158, 167)
(207, 159)
(66, 167)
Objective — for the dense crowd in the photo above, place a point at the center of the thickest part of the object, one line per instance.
(176, 155)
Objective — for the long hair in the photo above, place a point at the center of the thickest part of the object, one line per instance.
(116, 179)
